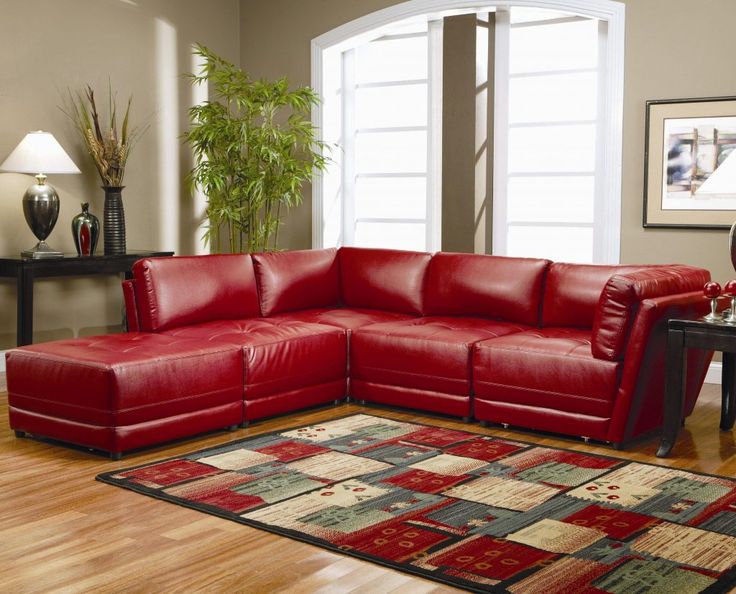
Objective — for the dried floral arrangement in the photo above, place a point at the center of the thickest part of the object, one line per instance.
(108, 148)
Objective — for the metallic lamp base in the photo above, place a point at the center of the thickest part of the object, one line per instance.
(40, 251)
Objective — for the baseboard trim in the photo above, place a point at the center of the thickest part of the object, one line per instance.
(713, 376)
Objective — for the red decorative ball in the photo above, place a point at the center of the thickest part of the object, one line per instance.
(730, 288)
(711, 289)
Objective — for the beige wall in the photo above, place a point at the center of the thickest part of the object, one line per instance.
(458, 125)
(674, 48)
(142, 47)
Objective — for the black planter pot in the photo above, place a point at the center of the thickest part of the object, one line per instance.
(113, 227)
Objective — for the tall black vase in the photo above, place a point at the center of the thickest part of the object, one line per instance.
(113, 227)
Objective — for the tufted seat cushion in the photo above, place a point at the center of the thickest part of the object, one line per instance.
(284, 361)
(543, 378)
(430, 355)
(121, 391)
(348, 318)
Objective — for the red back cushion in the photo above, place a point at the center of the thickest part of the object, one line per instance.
(302, 279)
(620, 298)
(572, 291)
(488, 286)
(391, 280)
(178, 291)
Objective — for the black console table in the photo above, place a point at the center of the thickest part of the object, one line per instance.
(696, 334)
(25, 270)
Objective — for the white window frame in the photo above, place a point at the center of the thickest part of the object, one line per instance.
(433, 127)
(380, 22)
(604, 249)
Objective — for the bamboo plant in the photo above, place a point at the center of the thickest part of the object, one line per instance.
(254, 147)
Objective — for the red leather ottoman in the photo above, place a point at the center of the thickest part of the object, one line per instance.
(123, 391)
(422, 363)
(545, 379)
(287, 364)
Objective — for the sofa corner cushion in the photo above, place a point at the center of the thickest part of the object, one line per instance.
(347, 318)
(183, 290)
(490, 286)
(572, 292)
(299, 279)
(621, 294)
(391, 280)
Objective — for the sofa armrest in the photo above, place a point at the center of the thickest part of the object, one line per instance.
(621, 298)
(638, 405)
(131, 306)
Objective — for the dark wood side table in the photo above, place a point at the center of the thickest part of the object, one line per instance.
(25, 270)
(696, 334)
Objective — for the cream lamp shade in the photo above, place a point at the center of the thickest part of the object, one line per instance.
(40, 153)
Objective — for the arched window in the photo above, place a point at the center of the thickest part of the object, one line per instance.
(557, 96)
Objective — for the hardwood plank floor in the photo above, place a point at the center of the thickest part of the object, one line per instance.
(60, 530)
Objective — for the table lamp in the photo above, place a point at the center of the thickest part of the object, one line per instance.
(40, 153)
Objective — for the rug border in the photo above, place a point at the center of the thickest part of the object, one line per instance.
(106, 478)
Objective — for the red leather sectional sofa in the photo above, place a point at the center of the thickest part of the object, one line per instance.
(218, 341)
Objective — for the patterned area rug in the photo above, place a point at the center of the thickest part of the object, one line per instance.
(484, 514)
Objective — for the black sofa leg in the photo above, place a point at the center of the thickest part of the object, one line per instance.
(484, 423)
(244, 424)
(466, 419)
(232, 428)
(115, 456)
(20, 433)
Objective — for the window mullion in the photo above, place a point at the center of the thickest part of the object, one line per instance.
(434, 137)
(349, 132)
(601, 233)
(501, 132)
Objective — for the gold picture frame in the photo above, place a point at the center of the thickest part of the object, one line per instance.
(690, 163)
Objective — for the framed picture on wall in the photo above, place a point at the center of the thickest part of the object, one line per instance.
(690, 163)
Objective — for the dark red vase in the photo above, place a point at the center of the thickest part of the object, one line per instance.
(86, 231)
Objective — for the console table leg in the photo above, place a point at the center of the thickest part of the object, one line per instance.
(674, 390)
(728, 391)
(24, 283)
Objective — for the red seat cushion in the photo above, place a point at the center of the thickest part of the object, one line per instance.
(392, 280)
(485, 286)
(278, 355)
(299, 279)
(348, 318)
(185, 290)
(551, 368)
(124, 379)
(430, 353)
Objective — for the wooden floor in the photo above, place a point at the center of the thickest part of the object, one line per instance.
(60, 530)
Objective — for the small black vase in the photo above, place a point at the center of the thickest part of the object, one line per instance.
(86, 231)
(114, 221)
